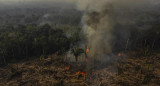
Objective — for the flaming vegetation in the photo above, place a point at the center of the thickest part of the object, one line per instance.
(87, 49)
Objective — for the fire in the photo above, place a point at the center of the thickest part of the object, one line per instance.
(83, 73)
(68, 68)
(87, 49)
(77, 72)
(119, 54)
(80, 73)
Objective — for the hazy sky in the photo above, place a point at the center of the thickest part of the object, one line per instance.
(37, 0)
(70, 1)
(81, 4)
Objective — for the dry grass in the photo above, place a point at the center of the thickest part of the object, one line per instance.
(131, 71)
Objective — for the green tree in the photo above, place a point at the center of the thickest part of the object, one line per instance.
(76, 52)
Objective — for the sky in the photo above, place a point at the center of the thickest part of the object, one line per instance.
(37, 0)
(69, 1)
(80, 4)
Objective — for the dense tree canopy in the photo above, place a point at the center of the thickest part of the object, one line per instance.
(30, 40)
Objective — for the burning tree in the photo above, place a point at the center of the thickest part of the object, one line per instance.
(76, 52)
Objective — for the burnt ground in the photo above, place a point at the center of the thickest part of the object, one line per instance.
(129, 70)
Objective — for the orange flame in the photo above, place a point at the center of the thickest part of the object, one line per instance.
(68, 68)
(83, 74)
(87, 49)
(78, 72)
(119, 54)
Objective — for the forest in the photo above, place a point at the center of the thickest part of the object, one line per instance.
(59, 44)
(29, 35)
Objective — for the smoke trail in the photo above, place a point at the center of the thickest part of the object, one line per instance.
(98, 30)
(97, 26)
(102, 16)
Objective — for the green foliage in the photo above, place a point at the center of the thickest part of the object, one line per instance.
(76, 52)
(30, 40)
(72, 32)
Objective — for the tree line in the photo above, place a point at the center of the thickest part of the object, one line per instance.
(24, 41)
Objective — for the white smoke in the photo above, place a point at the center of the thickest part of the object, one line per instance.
(100, 18)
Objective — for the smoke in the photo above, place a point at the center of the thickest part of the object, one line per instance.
(103, 17)
(98, 29)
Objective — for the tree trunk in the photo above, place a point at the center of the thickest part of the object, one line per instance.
(4, 60)
(13, 52)
(26, 52)
(76, 59)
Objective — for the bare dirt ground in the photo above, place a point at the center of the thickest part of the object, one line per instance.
(129, 71)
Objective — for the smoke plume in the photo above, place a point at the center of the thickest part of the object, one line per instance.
(102, 17)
